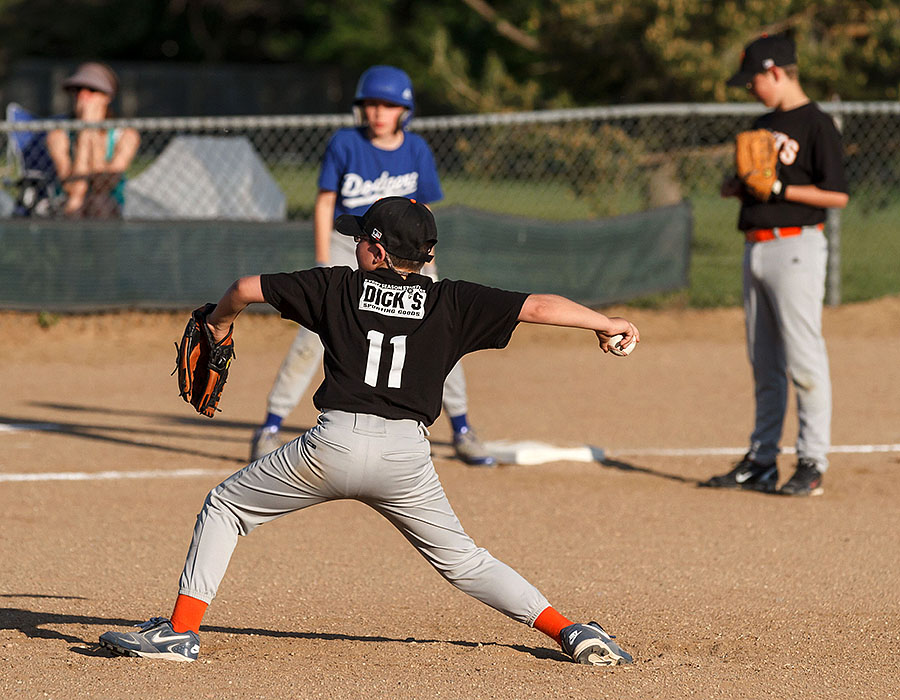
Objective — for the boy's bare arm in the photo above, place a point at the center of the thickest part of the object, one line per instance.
(242, 293)
(554, 310)
(815, 196)
(323, 224)
(804, 194)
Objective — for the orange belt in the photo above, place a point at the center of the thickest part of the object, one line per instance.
(758, 235)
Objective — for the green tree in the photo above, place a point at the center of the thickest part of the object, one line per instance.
(476, 55)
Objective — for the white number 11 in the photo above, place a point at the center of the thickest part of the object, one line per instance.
(373, 361)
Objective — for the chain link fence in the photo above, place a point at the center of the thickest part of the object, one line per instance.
(551, 166)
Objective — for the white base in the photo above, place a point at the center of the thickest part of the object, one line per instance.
(530, 452)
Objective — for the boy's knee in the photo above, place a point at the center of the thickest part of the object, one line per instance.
(465, 564)
(218, 508)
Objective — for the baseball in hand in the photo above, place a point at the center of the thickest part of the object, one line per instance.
(617, 349)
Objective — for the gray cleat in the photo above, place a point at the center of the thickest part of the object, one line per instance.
(156, 640)
(471, 450)
(265, 440)
(590, 644)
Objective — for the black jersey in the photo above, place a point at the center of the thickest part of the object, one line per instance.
(809, 153)
(390, 342)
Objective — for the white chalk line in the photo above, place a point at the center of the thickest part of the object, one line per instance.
(726, 451)
(114, 475)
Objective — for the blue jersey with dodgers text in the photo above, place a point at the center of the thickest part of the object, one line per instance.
(361, 174)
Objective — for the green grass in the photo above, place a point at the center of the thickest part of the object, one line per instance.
(299, 187)
(716, 253)
(552, 201)
(870, 249)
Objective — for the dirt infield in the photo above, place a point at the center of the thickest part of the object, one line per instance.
(717, 594)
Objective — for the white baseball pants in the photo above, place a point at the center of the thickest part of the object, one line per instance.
(383, 463)
(784, 287)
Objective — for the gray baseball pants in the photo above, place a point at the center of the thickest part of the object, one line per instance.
(784, 287)
(305, 355)
(385, 464)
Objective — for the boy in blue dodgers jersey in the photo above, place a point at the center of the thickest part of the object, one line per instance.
(785, 258)
(378, 158)
(391, 335)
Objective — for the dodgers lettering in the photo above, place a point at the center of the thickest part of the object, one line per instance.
(392, 300)
(356, 191)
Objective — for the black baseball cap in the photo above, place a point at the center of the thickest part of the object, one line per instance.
(402, 226)
(762, 54)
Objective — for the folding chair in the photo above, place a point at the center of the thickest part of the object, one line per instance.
(37, 183)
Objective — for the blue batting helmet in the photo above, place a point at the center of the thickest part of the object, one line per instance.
(384, 83)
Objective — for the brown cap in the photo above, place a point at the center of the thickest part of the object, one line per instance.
(94, 76)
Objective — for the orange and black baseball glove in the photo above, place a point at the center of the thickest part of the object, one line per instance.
(202, 363)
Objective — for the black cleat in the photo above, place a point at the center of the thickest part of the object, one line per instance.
(747, 474)
(807, 480)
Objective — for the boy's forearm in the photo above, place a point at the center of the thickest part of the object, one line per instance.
(554, 310)
(814, 196)
(242, 293)
(323, 224)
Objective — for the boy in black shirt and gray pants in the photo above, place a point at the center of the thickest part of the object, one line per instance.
(785, 257)
(391, 335)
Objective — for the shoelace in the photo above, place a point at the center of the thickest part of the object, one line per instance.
(152, 622)
(602, 631)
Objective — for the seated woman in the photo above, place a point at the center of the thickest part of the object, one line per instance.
(91, 162)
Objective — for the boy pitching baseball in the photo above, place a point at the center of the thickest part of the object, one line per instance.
(391, 335)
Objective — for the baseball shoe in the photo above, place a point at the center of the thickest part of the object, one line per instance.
(156, 640)
(470, 449)
(265, 440)
(747, 474)
(806, 481)
(590, 644)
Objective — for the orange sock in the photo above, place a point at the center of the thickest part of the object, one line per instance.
(550, 623)
(188, 613)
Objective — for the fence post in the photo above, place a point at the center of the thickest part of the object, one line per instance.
(833, 232)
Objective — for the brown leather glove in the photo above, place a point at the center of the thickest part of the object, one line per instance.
(202, 363)
(756, 163)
